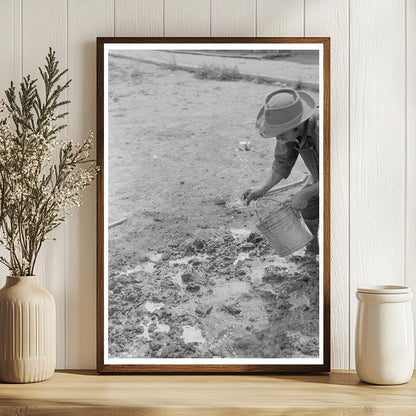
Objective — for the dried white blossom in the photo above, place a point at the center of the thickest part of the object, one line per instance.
(42, 176)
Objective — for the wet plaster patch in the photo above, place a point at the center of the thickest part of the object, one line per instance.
(234, 317)
(192, 334)
(151, 306)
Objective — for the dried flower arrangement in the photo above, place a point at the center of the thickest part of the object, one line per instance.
(41, 174)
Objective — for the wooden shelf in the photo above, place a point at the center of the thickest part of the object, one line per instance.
(86, 393)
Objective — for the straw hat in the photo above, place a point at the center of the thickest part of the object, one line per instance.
(284, 109)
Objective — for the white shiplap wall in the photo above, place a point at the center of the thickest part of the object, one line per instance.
(373, 147)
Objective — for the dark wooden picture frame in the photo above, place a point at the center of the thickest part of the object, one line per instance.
(324, 295)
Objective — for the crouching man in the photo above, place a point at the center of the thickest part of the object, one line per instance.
(292, 118)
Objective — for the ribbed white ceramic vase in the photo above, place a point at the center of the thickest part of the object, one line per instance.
(384, 352)
(27, 331)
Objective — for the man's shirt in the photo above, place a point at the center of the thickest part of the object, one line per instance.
(307, 146)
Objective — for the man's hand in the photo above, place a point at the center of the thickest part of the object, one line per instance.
(250, 194)
(300, 201)
(254, 193)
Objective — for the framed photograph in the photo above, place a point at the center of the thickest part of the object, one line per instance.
(213, 205)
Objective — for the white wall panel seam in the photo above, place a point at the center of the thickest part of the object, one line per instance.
(304, 18)
(66, 225)
(349, 189)
(21, 39)
(210, 17)
(410, 26)
(405, 144)
(405, 137)
(349, 182)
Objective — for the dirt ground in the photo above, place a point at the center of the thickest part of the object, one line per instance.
(189, 276)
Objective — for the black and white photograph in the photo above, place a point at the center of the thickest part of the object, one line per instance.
(213, 204)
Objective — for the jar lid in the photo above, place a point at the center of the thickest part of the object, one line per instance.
(384, 289)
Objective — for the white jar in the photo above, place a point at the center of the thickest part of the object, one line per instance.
(384, 352)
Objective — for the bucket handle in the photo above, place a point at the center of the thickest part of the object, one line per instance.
(277, 191)
(286, 187)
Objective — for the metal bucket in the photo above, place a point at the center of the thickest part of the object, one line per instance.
(284, 227)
